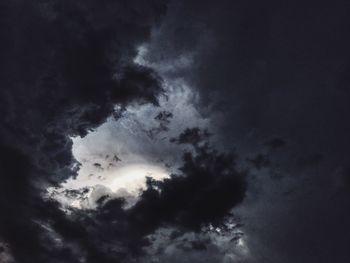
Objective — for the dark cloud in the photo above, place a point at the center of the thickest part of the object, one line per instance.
(267, 68)
(311, 160)
(116, 159)
(62, 75)
(210, 187)
(275, 143)
(259, 161)
(64, 66)
(163, 118)
(199, 244)
(193, 136)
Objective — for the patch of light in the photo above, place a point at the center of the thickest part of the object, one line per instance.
(127, 181)
(141, 52)
(133, 177)
(5, 253)
(183, 61)
(242, 245)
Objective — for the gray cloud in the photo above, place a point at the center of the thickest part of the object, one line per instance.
(272, 79)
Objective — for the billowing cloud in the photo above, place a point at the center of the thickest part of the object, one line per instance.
(64, 67)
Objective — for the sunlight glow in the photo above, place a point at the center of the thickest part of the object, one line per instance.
(133, 177)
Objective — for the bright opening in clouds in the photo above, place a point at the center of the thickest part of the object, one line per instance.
(120, 154)
(132, 177)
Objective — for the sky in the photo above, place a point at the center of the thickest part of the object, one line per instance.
(174, 131)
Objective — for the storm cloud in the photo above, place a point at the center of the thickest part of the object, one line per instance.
(64, 67)
(244, 102)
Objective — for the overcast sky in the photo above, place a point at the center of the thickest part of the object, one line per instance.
(174, 131)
